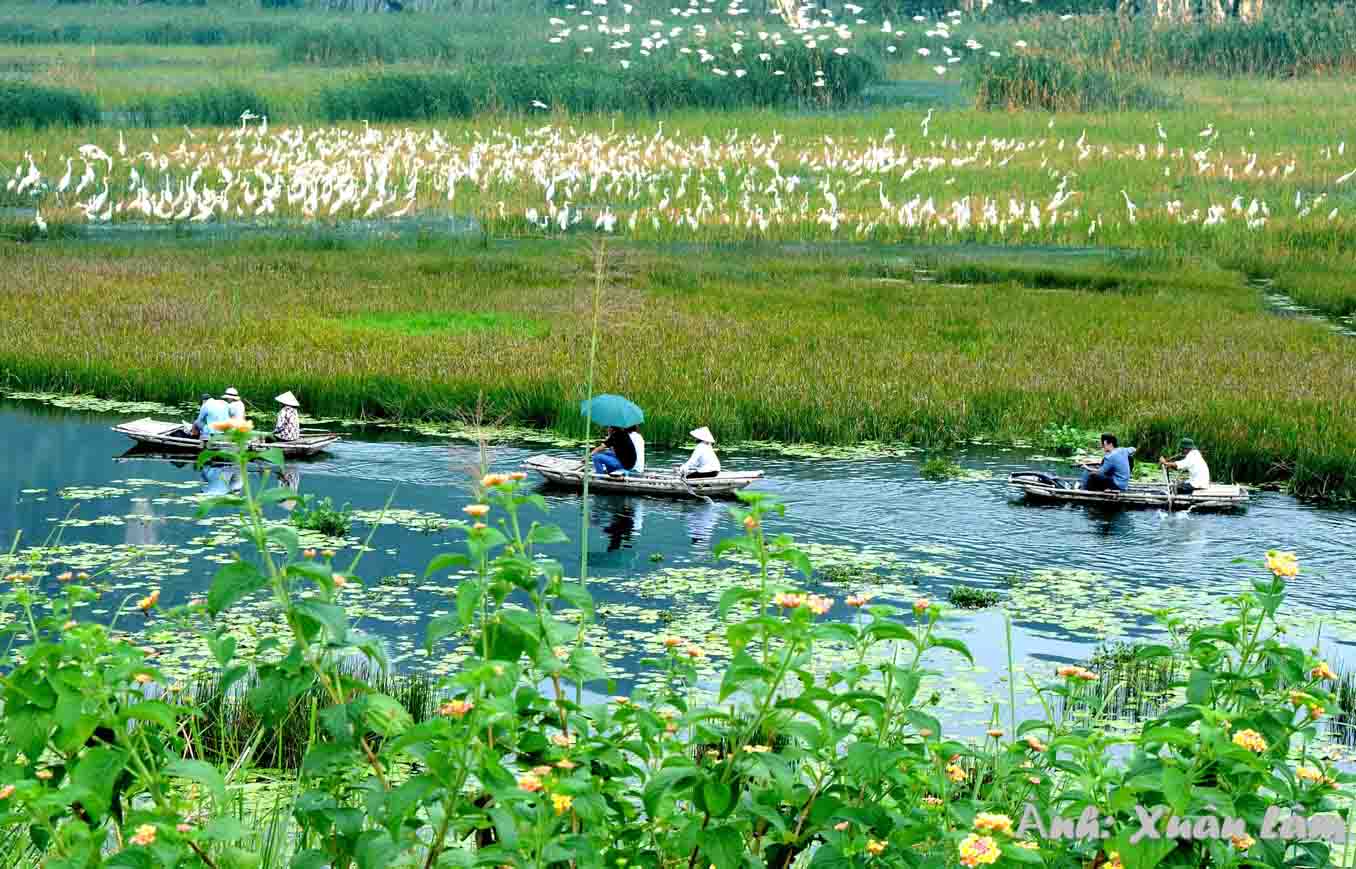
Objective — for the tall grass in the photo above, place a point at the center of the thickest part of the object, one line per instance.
(756, 343)
(23, 104)
(213, 106)
(1045, 82)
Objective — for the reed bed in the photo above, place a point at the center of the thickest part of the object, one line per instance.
(812, 347)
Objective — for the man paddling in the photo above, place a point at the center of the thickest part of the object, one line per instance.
(1113, 475)
(1198, 472)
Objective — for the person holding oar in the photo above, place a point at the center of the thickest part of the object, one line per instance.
(623, 449)
(1198, 472)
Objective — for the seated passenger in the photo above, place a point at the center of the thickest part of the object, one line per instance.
(1113, 475)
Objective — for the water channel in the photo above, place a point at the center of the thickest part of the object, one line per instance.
(1072, 579)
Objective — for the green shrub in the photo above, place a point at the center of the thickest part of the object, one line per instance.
(23, 104)
(321, 516)
(940, 468)
(215, 107)
(1048, 83)
(969, 597)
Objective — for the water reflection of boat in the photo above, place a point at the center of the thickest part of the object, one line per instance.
(170, 436)
(1038, 486)
(570, 473)
(221, 479)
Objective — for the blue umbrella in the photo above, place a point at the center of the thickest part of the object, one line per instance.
(613, 410)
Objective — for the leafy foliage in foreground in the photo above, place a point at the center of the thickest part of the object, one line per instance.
(518, 769)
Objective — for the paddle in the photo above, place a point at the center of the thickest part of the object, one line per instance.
(1167, 478)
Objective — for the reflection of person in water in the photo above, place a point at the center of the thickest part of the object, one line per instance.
(289, 478)
(701, 523)
(621, 528)
(221, 479)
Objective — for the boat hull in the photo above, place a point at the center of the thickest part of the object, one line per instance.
(168, 437)
(1043, 487)
(569, 473)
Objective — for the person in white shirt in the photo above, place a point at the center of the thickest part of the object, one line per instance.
(1198, 472)
(703, 462)
(234, 405)
(639, 442)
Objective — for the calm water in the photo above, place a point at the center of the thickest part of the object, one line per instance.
(1072, 578)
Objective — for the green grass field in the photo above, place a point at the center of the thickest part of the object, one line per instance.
(819, 345)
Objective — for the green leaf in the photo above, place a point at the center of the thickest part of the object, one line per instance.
(446, 561)
(1175, 789)
(385, 715)
(797, 559)
(95, 774)
(468, 601)
(1198, 687)
(332, 617)
(272, 455)
(716, 797)
(150, 710)
(285, 537)
(543, 535)
(577, 596)
(204, 774)
(954, 645)
(732, 596)
(883, 630)
(722, 846)
(232, 583)
(439, 627)
(666, 782)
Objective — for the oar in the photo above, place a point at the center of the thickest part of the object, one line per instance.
(1167, 478)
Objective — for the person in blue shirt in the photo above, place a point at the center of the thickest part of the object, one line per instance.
(212, 410)
(1114, 472)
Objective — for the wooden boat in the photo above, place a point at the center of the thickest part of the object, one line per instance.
(1038, 486)
(571, 473)
(169, 436)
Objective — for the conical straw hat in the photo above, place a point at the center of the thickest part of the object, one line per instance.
(288, 399)
(703, 434)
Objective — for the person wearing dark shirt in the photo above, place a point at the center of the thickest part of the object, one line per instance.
(1114, 472)
(617, 452)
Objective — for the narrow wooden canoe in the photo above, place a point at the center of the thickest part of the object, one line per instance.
(570, 473)
(1044, 487)
(170, 436)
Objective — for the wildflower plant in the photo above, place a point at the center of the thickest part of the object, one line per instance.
(526, 763)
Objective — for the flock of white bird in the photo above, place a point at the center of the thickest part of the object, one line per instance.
(714, 40)
(555, 178)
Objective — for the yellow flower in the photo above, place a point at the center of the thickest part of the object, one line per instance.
(672, 642)
(750, 523)
(757, 749)
(145, 835)
(695, 652)
(819, 604)
(1034, 779)
(65, 577)
(563, 740)
(543, 769)
(143, 678)
(517, 475)
(921, 605)
(1066, 671)
(1298, 698)
(1113, 861)
(857, 600)
(529, 782)
(456, 708)
(1283, 564)
(6, 792)
(476, 510)
(977, 850)
(1251, 740)
(996, 733)
(1028, 845)
(1242, 841)
(565, 764)
(561, 803)
(986, 822)
(1309, 774)
(1322, 671)
(489, 481)
(149, 601)
(184, 828)
(931, 801)
(788, 601)
(69, 624)
(1035, 744)
(874, 846)
(955, 772)
(44, 774)
(842, 826)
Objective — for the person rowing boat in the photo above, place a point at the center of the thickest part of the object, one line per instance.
(1198, 472)
(703, 463)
